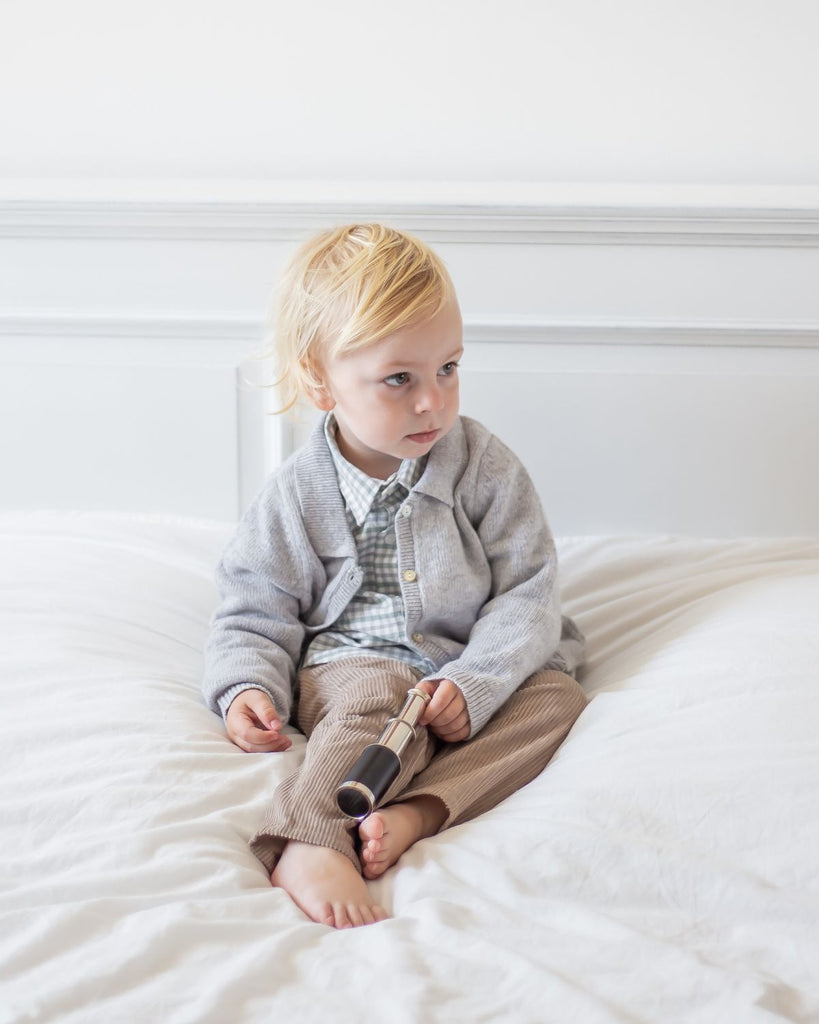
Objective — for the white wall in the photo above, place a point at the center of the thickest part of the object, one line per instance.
(656, 367)
(701, 91)
(625, 191)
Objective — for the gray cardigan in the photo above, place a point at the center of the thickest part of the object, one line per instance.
(476, 565)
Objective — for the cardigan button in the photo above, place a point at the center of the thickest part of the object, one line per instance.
(417, 638)
(410, 575)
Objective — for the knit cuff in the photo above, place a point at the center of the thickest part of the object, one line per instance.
(224, 700)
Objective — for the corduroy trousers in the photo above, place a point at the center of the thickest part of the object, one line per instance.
(343, 705)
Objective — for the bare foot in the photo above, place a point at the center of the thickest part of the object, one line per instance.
(391, 831)
(326, 886)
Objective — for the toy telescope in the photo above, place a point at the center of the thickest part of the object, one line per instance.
(378, 767)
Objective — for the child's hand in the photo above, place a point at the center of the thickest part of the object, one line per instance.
(253, 724)
(446, 713)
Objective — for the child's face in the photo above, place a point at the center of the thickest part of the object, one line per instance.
(394, 399)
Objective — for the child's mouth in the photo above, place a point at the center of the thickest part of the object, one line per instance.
(424, 437)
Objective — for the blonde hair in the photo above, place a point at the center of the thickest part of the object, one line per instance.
(345, 289)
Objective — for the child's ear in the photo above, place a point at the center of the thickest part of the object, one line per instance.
(322, 399)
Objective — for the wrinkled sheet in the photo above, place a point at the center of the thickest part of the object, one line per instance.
(664, 867)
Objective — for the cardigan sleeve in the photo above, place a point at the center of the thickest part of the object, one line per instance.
(256, 630)
(520, 628)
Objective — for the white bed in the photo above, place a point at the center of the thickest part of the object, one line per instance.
(662, 868)
(657, 369)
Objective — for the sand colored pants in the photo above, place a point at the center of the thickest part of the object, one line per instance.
(344, 705)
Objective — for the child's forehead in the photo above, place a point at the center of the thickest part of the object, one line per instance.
(440, 338)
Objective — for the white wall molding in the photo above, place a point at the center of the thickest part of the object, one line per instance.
(241, 336)
(129, 340)
(137, 325)
(558, 220)
(653, 333)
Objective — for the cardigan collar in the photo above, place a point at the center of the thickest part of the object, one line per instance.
(321, 502)
(446, 463)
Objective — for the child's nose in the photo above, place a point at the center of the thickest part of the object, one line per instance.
(429, 398)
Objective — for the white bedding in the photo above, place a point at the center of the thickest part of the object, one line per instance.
(663, 868)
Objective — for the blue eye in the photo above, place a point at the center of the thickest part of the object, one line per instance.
(396, 380)
(448, 369)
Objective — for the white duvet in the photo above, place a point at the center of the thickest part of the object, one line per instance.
(664, 867)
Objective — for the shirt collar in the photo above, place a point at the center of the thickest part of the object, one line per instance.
(361, 491)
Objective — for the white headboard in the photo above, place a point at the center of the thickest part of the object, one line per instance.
(653, 355)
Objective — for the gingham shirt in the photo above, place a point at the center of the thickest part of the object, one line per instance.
(374, 622)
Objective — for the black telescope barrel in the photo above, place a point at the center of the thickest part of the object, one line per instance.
(368, 780)
(378, 767)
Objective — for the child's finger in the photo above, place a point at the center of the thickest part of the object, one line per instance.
(273, 744)
(253, 739)
(453, 734)
(447, 714)
(429, 686)
(447, 702)
(254, 725)
(262, 707)
(431, 712)
(453, 720)
(263, 711)
(441, 715)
